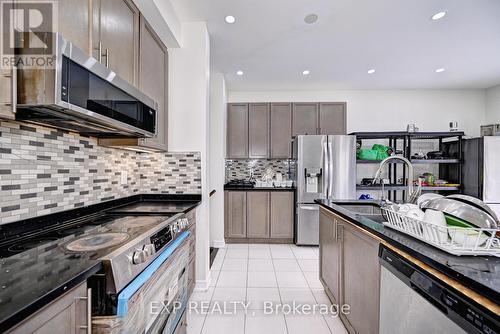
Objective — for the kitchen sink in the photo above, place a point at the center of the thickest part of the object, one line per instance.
(370, 211)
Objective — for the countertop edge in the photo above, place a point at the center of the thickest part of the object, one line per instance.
(482, 290)
(38, 304)
(258, 189)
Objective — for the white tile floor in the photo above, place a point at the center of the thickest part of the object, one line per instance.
(255, 273)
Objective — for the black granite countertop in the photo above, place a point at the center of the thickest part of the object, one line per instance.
(32, 279)
(258, 188)
(479, 273)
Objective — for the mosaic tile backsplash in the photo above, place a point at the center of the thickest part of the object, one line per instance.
(44, 170)
(245, 168)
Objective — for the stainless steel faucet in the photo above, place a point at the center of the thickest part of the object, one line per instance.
(410, 195)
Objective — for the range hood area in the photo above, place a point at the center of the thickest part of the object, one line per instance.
(79, 93)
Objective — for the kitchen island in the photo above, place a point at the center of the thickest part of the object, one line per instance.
(350, 239)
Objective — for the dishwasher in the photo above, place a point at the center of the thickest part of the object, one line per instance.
(414, 302)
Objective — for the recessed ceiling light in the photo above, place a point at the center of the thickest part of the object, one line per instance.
(439, 70)
(311, 18)
(230, 19)
(438, 16)
(240, 72)
(371, 71)
(306, 72)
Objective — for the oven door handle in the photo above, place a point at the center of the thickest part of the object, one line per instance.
(126, 294)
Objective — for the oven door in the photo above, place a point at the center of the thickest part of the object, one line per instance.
(156, 299)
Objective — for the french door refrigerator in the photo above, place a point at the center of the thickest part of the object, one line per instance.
(325, 169)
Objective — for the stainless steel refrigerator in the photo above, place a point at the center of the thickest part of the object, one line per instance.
(481, 170)
(325, 169)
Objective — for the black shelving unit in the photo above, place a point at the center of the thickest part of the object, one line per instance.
(396, 137)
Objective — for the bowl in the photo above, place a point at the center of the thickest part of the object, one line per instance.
(438, 219)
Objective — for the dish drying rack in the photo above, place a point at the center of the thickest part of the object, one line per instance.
(454, 240)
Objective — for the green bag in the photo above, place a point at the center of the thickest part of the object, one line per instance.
(365, 154)
(381, 151)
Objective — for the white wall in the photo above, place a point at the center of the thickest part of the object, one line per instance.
(188, 126)
(218, 101)
(493, 105)
(387, 110)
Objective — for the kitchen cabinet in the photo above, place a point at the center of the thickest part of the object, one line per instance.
(258, 130)
(116, 36)
(281, 130)
(332, 119)
(7, 94)
(330, 249)
(68, 314)
(305, 119)
(263, 216)
(235, 221)
(258, 214)
(153, 81)
(74, 22)
(282, 214)
(361, 279)
(237, 130)
(350, 271)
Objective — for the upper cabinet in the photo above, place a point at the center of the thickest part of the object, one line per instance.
(266, 130)
(258, 130)
(237, 130)
(7, 94)
(281, 130)
(74, 22)
(116, 36)
(153, 80)
(332, 118)
(305, 119)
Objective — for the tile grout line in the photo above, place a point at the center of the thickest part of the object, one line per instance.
(279, 291)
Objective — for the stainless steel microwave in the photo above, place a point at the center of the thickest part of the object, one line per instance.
(80, 94)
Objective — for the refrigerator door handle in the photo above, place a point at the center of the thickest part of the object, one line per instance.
(326, 168)
(329, 176)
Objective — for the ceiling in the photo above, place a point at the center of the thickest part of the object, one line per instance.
(272, 44)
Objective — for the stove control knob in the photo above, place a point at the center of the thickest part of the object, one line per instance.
(175, 227)
(149, 249)
(139, 256)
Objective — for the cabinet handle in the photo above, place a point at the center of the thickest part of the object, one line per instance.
(88, 299)
(335, 229)
(13, 82)
(99, 50)
(107, 57)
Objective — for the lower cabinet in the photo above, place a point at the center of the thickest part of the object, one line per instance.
(260, 215)
(66, 315)
(350, 271)
(235, 220)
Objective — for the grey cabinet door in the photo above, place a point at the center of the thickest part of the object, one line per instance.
(332, 118)
(282, 215)
(257, 214)
(235, 221)
(74, 22)
(258, 130)
(305, 119)
(330, 250)
(361, 279)
(117, 28)
(237, 130)
(281, 130)
(65, 315)
(7, 89)
(153, 80)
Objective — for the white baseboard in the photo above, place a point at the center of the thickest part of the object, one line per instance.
(203, 285)
(218, 243)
